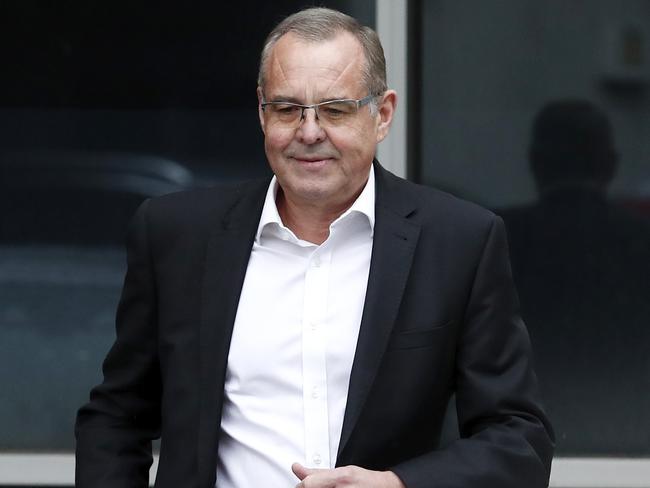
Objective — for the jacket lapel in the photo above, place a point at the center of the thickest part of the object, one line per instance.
(395, 239)
(227, 254)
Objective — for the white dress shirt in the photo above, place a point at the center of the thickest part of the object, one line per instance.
(293, 346)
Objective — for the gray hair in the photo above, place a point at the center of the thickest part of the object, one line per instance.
(321, 24)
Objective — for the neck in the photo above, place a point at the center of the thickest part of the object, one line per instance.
(309, 222)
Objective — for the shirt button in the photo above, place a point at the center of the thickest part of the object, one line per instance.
(314, 392)
(316, 262)
(316, 459)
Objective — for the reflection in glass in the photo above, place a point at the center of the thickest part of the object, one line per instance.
(582, 267)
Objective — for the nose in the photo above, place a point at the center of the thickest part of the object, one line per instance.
(310, 131)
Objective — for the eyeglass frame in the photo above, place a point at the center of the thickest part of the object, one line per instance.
(359, 102)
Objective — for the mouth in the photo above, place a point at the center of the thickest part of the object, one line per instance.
(312, 160)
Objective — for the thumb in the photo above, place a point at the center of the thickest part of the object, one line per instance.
(301, 472)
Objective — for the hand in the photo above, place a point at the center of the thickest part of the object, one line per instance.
(345, 477)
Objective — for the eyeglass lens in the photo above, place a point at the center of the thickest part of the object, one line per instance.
(335, 112)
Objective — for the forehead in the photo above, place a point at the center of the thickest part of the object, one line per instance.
(298, 67)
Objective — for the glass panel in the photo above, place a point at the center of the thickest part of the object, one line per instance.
(572, 183)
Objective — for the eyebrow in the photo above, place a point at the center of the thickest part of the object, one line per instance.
(283, 98)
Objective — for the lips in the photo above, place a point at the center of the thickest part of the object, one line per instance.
(311, 159)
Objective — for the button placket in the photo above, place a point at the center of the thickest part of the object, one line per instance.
(314, 360)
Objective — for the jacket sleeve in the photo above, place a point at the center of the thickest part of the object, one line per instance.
(506, 440)
(114, 430)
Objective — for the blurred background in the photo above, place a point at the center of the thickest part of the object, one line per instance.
(537, 110)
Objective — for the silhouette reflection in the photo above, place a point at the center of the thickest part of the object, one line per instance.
(582, 268)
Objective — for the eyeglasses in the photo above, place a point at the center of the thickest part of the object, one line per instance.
(331, 113)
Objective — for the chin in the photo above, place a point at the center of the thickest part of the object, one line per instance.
(316, 191)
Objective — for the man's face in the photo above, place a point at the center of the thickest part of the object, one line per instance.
(318, 166)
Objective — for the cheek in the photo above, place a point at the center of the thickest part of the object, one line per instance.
(348, 138)
(356, 143)
(277, 139)
(361, 136)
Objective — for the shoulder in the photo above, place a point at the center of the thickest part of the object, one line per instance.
(196, 209)
(434, 208)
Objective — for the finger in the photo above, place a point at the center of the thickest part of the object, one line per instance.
(300, 471)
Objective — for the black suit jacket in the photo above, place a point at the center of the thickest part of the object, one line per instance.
(440, 316)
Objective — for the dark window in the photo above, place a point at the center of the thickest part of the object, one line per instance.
(539, 110)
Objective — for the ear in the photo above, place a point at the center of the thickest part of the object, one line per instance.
(260, 112)
(386, 108)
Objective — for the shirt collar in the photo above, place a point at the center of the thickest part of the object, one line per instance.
(364, 204)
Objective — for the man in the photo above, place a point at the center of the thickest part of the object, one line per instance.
(312, 330)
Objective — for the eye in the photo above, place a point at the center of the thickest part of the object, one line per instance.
(285, 109)
(332, 111)
(337, 110)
